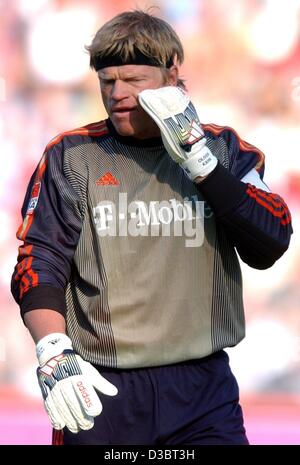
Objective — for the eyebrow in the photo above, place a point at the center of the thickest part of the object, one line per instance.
(126, 76)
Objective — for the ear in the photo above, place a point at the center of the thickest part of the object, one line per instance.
(173, 76)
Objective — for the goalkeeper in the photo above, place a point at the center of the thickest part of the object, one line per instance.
(129, 315)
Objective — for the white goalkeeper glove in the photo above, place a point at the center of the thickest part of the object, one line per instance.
(67, 383)
(183, 137)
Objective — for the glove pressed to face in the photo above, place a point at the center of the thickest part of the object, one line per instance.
(182, 134)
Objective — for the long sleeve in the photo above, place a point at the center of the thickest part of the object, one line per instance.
(257, 222)
(50, 231)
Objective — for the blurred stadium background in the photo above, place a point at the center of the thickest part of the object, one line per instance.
(242, 68)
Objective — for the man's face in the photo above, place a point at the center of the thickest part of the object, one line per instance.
(120, 86)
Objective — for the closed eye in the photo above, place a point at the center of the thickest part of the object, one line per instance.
(107, 82)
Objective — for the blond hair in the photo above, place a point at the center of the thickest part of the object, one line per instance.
(137, 31)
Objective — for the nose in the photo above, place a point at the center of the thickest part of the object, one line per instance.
(119, 90)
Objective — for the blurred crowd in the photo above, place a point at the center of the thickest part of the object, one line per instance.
(242, 68)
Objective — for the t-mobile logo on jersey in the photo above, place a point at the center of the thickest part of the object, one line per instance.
(157, 218)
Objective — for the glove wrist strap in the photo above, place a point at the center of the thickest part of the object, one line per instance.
(51, 345)
(200, 164)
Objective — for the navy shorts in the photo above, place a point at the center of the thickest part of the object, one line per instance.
(195, 402)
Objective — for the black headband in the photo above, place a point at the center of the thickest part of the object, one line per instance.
(99, 62)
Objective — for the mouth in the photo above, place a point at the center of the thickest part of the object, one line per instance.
(123, 111)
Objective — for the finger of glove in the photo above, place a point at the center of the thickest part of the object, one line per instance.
(165, 102)
(97, 380)
(87, 396)
(153, 108)
(55, 418)
(170, 140)
(75, 404)
(63, 408)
